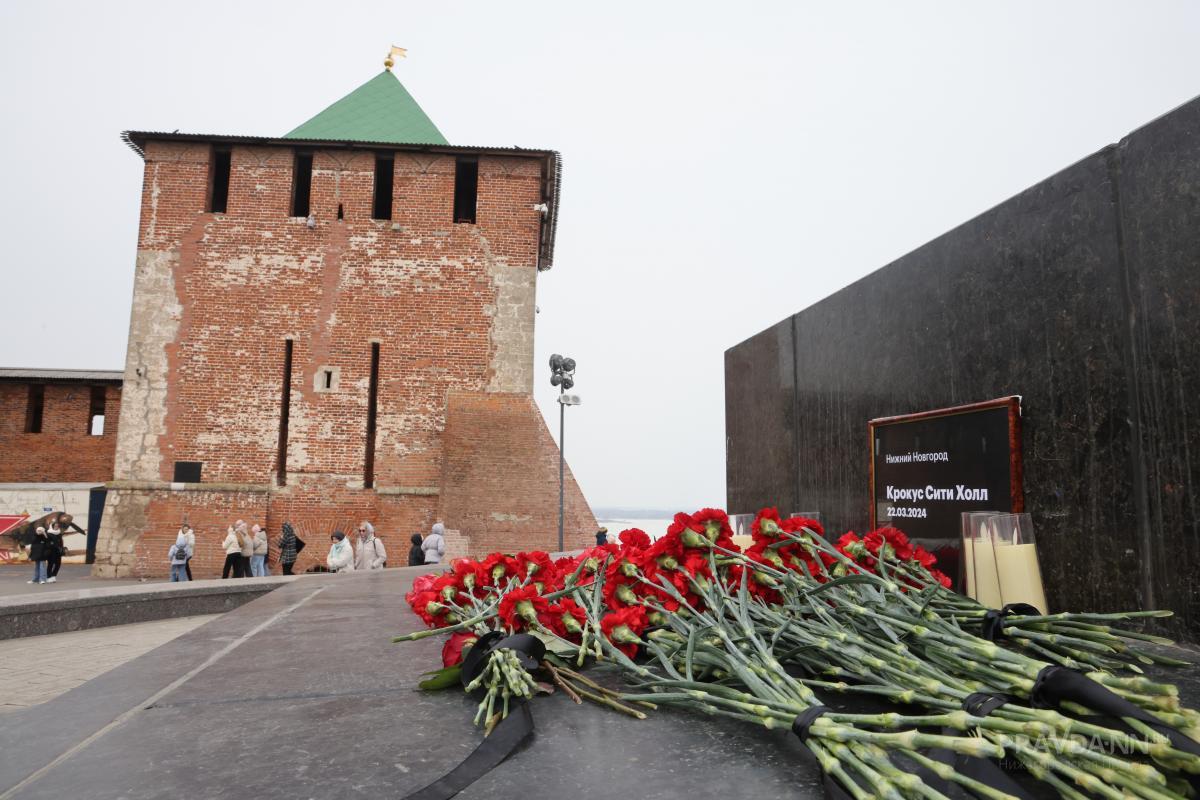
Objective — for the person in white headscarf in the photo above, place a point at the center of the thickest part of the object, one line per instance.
(435, 544)
(369, 553)
(341, 554)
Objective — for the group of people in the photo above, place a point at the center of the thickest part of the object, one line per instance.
(369, 553)
(46, 552)
(428, 549)
(247, 550)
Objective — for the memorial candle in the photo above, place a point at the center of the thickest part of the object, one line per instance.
(1020, 576)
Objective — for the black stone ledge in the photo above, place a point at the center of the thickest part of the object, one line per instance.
(80, 609)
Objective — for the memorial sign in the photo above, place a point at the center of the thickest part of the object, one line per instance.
(928, 468)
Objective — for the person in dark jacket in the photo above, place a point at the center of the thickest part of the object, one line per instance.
(54, 552)
(416, 556)
(601, 537)
(289, 548)
(38, 552)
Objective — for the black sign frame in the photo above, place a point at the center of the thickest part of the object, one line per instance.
(1016, 472)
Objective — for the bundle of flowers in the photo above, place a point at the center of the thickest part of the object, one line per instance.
(771, 634)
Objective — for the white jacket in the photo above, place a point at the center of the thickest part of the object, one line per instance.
(370, 554)
(434, 547)
(260, 543)
(341, 557)
(191, 542)
(231, 544)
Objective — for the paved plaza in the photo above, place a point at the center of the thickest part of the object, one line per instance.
(53, 664)
(14, 579)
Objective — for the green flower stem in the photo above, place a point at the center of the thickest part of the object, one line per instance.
(948, 773)
(909, 782)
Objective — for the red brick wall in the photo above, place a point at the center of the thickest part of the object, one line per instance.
(500, 481)
(217, 295)
(63, 452)
(251, 278)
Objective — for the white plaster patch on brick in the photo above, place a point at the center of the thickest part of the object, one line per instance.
(154, 322)
(512, 327)
(502, 517)
(155, 191)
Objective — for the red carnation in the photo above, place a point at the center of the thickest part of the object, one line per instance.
(452, 651)
(535, 563)
(798, 524)
(521, 607)
(899, 542)
(716, 526)
(767, 525)
(923, 557)
(499, 568)
(623, 628)
(634, 539)
(422, 583)
(565, 618)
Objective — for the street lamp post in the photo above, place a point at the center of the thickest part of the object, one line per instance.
(562, 375)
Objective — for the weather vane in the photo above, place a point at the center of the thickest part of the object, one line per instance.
(395, 52)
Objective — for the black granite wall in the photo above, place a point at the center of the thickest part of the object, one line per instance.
(1082, 294)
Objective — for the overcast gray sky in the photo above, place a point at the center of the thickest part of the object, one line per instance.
(726, 164)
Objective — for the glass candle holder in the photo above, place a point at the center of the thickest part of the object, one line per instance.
(1017, 561)
(974, 538)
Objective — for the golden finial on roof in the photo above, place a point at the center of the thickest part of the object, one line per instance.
(390, 61)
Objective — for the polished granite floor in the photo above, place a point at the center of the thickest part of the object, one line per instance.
(300, 694)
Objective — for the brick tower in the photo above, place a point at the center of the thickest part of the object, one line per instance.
(335, 325)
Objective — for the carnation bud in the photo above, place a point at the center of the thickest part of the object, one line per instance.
(629, 569)
(448, 593)
(526, 611)
(692, 539)
(623, 635)
(764, 579)
(656, 618)
(469, 581)
(497, 572)
(712, 529)
(571, 624)
(769, 527)
(667, 562)
(435, 609)
(773, 557)
(626, 595)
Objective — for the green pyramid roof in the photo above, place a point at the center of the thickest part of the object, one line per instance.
(381, 110)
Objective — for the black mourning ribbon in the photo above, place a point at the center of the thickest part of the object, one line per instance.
(1056, 685)
(800, 727)
(993, 620)
(980, 704)
(508, 734)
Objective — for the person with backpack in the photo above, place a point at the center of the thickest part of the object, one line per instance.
(178, 555)
(435, 544)
(370, 552)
